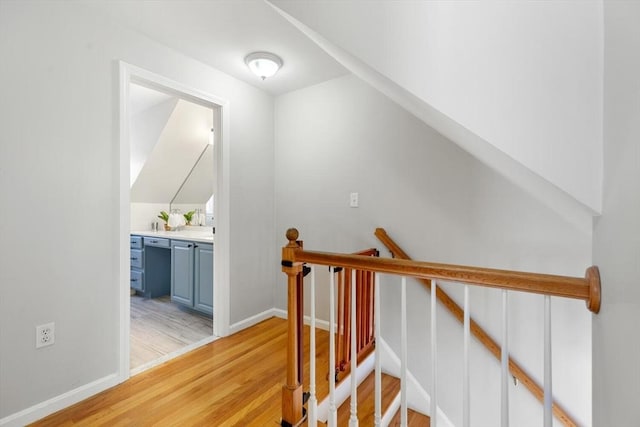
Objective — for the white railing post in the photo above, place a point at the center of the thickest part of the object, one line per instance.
(403, 352)
(465, 370)
(548, 396)
(504, 389)
(434, 356)
(378, 362)
(313, 402)
(353, 419)
(333, 413)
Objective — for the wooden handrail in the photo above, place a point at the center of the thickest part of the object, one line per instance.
(587, 288)
(481, 335)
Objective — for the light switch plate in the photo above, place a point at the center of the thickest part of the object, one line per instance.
(353, 200)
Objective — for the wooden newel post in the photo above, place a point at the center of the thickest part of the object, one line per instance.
(292, 412)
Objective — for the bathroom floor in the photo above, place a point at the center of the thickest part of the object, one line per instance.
(159, 327)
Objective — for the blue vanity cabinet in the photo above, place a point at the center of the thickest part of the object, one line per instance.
(203, 281)
(182, 263)
(137, 264)
(150, 266)
(192, 275)
(157, 267)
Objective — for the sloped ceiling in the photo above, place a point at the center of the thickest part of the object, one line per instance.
(517, 85)
(182, 142)
(150, 111)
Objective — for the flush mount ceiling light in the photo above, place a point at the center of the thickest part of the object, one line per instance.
(263, 64)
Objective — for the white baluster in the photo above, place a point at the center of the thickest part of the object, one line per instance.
(353, 419)
(434, 356)
(504, 417)
(333, 413)
(465, 370)
(548, 395)
(403, 352)
(378, 362)
(313, 402)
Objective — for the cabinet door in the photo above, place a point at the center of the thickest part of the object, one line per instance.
(137, 280)
(137, 258)
(182, 272)
(204, 278)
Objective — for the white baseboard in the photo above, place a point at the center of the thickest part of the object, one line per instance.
(417, 397)
(250, 321)
(42, 409)
(320, 324)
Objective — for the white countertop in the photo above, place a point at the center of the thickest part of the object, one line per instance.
(186, 234)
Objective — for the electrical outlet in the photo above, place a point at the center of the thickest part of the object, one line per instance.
(45, 334)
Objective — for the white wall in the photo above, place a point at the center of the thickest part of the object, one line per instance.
(524, 76)
(442, 205)
(59, 168)
(616, 241)
(144, 214)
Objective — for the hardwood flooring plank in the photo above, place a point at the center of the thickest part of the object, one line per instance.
(233, 381)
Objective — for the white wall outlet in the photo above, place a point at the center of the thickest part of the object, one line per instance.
(45, 334)
(353, 200)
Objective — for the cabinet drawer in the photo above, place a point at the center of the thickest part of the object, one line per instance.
(137, 280)
(136, 242)
(136, 258)
(155, 241)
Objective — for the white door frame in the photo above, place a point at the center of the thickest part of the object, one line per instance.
(128, 74)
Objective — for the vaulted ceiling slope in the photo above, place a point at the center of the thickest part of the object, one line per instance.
(518, 85)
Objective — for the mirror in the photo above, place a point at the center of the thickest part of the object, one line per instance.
(196, 192)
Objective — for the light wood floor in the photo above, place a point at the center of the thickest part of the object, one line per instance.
(234, 381)
(159, 327)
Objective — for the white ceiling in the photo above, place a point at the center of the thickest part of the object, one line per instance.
(221, 33)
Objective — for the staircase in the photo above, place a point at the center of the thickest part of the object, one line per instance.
(365, 393)
(390, 397)
(383, 389)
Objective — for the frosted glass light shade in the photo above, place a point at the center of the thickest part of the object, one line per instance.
(263, 64)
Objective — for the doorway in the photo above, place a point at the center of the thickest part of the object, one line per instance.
(157, 324)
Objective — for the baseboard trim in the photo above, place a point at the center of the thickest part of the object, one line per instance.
(250, 321)
(42, 409)
(320, 324)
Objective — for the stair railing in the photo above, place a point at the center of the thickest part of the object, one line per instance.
(364, 300)
(472, 327)
(293, 259)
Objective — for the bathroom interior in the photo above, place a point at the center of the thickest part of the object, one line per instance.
(172, 185)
